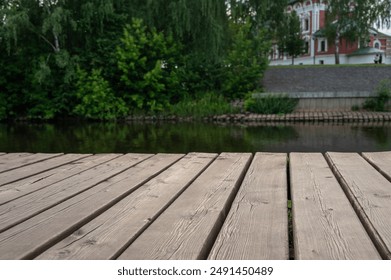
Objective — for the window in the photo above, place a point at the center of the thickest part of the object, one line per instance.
(323, 46)
(377, 45)
(307, 47)
(306, 24)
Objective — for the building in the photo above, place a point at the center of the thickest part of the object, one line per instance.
(319, 50)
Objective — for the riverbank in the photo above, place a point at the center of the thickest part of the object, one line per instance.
(349, 117)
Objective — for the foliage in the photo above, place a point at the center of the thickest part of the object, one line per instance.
(245, 62)
(200, 25)
(3, 106)
(289, 36)
(270, 104)
(383, 94)
(206, 105)
(263, 14)
(146, 60)
(186, 46)
(352, 19)
(96, 98)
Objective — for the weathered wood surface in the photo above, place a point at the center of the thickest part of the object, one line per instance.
(195, 206)
(39, 167)
(370, 194)
(324, 222)
(30, 238)
(257, 225)
(106, 236)
(34, 203)
(12, 161)
(195, 217)
(48, 178)
(381, 161)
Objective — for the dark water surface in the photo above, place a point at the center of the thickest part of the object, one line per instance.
(193, 137)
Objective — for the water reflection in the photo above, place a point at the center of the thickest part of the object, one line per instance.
(193, 137)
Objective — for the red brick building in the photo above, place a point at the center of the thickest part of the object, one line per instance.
(319, 50)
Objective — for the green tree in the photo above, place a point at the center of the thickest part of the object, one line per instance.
(146, 59)
(351, 20)
(292, 41)
(263, 14)
(96, 99)
(200, 25)
(245, 62)
(47, 38)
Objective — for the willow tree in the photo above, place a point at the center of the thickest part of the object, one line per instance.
(265, 14)
(44, 39)
(200, 25)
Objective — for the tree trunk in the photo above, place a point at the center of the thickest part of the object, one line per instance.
(56, 43)
(337, 38)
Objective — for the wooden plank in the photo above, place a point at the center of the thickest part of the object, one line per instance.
(31, 184)
(257, 225)
(325, 225)
(39, 167)
(11, 156)
(31, 238)
(381, 161)
(13, 161)
(370, 194)
(19, 210)
(187, 229)
(106, 236)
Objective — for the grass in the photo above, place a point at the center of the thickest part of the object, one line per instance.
(290, 230)
(328, 66)
(271, 104)
(383, 94)
(205, 105)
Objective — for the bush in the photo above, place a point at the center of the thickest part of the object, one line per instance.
(271, 104)
(245, 62)
(96, 98)
(146, 60)
(205, 105)
(383, 94)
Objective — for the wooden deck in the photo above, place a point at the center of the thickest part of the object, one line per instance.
(195, 206)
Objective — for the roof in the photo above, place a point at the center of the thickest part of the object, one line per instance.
(366, 51)
(320, 33)
(372, 31)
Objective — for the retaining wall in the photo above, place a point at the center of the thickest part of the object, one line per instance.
(326, 88)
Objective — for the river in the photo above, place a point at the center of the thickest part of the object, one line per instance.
(193, 137)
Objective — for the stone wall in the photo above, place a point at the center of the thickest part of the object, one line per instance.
(326, 88)
(324, 79)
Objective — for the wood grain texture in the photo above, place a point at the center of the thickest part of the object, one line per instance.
(39, 167)
(257, 225)
(370, 194)
(324, 222)
(25, 207)
(31, 184)
(381, 161)
(32, 237)
(106, 236)
(13, 161)
(187, 229)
